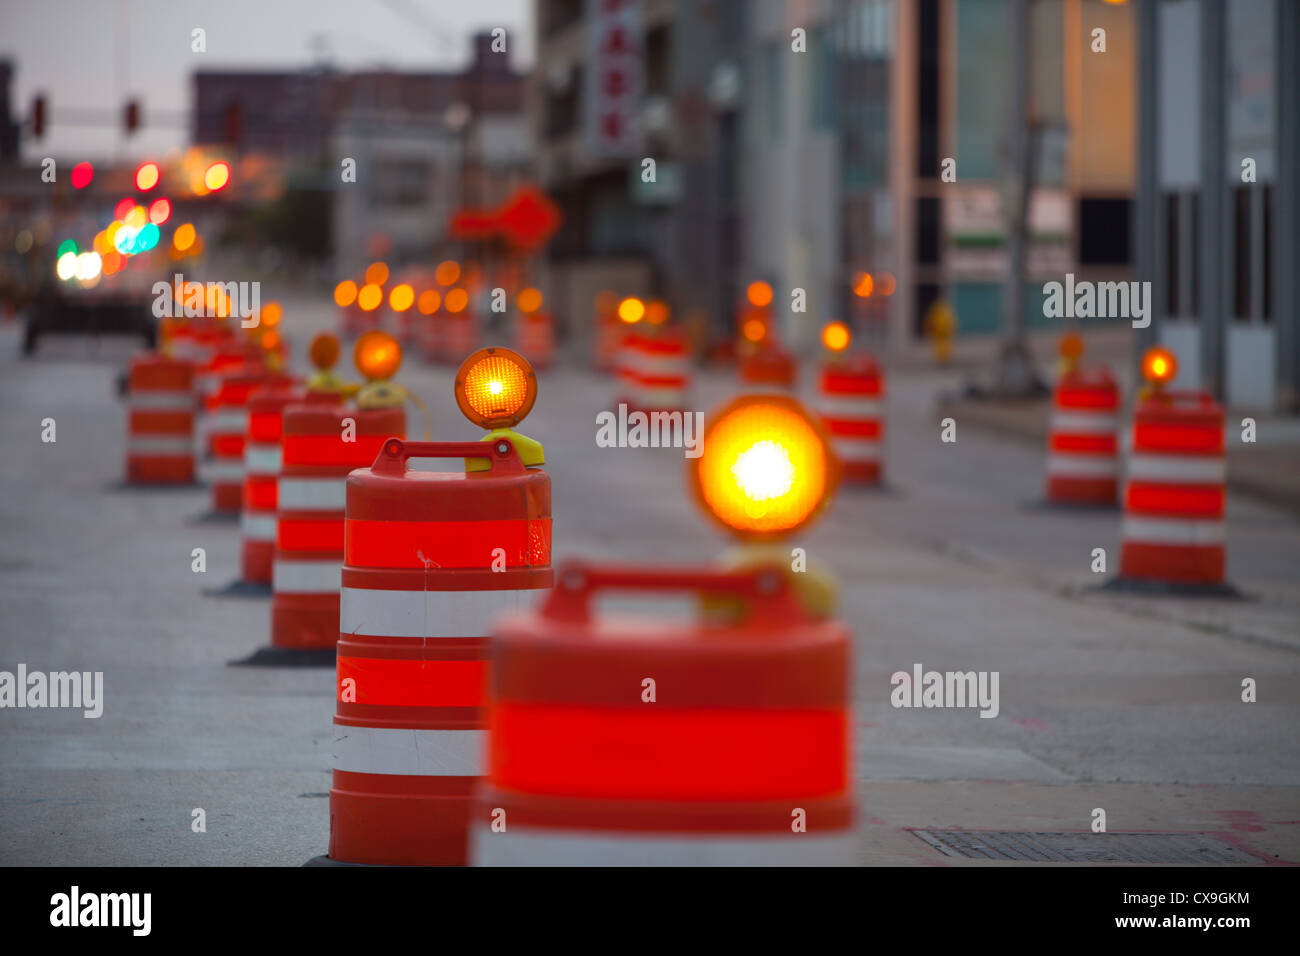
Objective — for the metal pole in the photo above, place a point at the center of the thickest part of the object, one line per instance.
(1016, 375)
(1147, 221)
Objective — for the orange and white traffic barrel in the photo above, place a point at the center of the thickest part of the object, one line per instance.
(769, 367)
(624, 741)
(1174, 493)
(850, 400)
(429, 560)
(662, 374)
(160, 421)
(322, 441)
(1082, 443)
(627, 369)
(535, 338)
(261, 478)
(1174, 490)
(225, 428)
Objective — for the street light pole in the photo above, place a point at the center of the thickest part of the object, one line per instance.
(1016, 375)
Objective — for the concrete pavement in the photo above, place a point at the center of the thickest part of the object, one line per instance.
(1117, 703)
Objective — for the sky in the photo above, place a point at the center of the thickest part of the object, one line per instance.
(89, 56)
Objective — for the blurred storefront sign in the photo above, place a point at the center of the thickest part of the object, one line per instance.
(976, 231)
(615, 54)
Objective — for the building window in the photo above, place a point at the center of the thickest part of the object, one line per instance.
(1251, 252)
(400, 183)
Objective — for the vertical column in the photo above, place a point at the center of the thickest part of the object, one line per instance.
(1212, 259)
(1147, 229)
(1286, 210)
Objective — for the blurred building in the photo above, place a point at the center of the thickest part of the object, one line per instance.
(803, 144)
(1220, 208)
(847, 143)
(423, 143)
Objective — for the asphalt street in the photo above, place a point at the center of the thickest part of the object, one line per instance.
(1128, 704)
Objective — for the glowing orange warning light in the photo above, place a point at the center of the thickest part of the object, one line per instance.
(754, 330)
(270, 340)
(530, 300)
(324, 351)
(1071, 347)
(455, 300)
(1159, 366)
(271, 314)
(836, 336)
(496, 388)
(631, 310)
(370, 297)
(401, 298)
(377, 355)
(863, 285)
(759, 294)
(766, 469)
(377, 273)
(345, 293)
(429, 301)
(447, 272)
(656, 312)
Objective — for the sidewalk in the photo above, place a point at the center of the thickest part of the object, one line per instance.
(1268, 470)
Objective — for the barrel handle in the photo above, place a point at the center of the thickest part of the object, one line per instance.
(765, 588)
(501, 455)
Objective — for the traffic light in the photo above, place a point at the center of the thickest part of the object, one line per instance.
(38, 117)
(131, 117)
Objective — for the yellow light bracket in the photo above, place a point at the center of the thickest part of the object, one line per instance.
(495, 389)
(324, 353)
(767, 471)
(378, 356)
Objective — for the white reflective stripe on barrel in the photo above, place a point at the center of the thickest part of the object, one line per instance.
(151, 399)
(370, 611)
(1176, 531)
(534, 846)
(1082, 465)
(261, 459)
(138, 444)
(227, 423)
(1177, 469)
(651, 363)
(222, 471)
(410, 752)
(305, 577)
(856, 449)
(257, 527)
(1085, 423)
(312, 494)
(833, 407)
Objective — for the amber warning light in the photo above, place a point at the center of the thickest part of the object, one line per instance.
(496, 388)
(766, 469)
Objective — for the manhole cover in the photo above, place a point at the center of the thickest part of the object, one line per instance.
(1085, 847)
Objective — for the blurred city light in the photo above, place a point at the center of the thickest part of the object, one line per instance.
(345, 293)
(447, 272)
(401, 298)
(455, 300)
(530, 300)
(759, 294)
(66, 267)
(377, 273)
(146, 176)
(82, 174)
(216, 176)
(429, 302)
(160, 210)
(863, 285)
(370, 297)
(184, 237)
(835, 336)
(631, 310)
